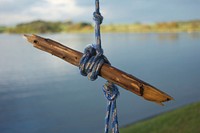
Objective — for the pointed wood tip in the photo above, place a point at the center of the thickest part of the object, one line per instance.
(28, 37)
(153, 94)
(25, 35)
(31, 38)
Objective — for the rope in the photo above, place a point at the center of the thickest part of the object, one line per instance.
(90, 66)
(111, 93)
(98, 20)
(91, 62)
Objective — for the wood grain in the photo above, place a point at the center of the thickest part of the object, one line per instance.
(108, 72)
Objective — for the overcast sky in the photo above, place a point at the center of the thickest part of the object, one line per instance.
(114, 11)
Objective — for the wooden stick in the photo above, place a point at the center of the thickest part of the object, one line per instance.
(108, 72)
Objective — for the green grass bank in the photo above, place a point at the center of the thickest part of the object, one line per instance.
(182, 120)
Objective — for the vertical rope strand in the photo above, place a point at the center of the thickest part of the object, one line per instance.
(115, 128)
(111, 93)
(107, 118)
(98, 20)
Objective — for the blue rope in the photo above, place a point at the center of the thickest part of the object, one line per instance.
(111, 93)
(98, 20)
(91, 62)
(90, 65)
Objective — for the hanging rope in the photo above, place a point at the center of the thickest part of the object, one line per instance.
(90, 65)
(98, 20)
(111, 93)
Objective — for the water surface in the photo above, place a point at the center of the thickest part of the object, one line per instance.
(40, 93)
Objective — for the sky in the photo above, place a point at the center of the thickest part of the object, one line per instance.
(13, 12)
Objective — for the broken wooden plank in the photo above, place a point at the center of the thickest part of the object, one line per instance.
(108, 72)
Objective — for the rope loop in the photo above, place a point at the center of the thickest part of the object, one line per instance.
(97, 17)
(110, 91)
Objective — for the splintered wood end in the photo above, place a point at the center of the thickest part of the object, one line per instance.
(155, 95)
(33, 39)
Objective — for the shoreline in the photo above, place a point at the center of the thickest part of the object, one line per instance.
(41, 26)
(110, 32)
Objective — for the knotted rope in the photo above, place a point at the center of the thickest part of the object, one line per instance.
(111, 93)
(98, 20)
(90, 65)
(91, 62)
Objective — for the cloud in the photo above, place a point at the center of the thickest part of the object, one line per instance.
(131, 11)
(43, 9)
(16, 11)
(51, 9)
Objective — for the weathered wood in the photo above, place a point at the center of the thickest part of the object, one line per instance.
(108, 72)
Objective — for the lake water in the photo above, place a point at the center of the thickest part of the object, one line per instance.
(40, 93)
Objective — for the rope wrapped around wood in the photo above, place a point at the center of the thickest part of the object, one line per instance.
(91, 62)
(90, 65)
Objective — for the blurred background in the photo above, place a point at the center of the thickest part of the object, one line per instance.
(156, 41)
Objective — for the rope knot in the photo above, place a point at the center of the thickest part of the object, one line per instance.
(110, 91)
(90, 50)
(97, 17)
(91, 62)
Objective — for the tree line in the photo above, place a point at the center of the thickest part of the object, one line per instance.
(40, 26)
